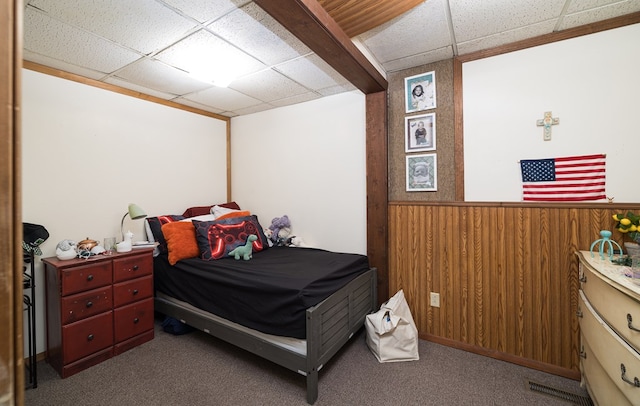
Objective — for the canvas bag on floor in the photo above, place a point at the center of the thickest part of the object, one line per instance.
(392, 334)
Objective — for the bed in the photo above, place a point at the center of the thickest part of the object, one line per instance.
(293, 306)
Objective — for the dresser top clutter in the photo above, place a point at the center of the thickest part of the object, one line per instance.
(618, 276)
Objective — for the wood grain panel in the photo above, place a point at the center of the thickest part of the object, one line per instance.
(358, 16)
(506, 275)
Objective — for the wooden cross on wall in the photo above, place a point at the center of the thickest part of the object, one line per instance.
(547, 122)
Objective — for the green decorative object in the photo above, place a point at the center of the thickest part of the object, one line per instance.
(606, 239)
(244, 251)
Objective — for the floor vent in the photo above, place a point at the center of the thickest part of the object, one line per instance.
(560, 394)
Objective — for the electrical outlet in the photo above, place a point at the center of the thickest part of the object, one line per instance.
(435, 299)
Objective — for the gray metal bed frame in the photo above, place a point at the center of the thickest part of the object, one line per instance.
(330, 324)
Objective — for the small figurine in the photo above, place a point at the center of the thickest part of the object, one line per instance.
(125, 246)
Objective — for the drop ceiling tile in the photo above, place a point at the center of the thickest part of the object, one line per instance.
(474, 19)
(301, 98)
(160, 77)
(61, 65)
(583, 5)
(252, 109)
(48, 37)
(600, 13)
(311, 72)
(142, 25)
(222, 98)
(138, 88)
(253, 30)
(200, 106)
(267, 86)
(205, 55)
(420, 30)
(506, 37)
(419, 59)
(205, 10)
(330, 91)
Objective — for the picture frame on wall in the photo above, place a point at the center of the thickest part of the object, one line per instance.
(422, 173)
(420, 133)
(420, 92)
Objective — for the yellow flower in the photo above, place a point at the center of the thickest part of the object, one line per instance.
(628, 224)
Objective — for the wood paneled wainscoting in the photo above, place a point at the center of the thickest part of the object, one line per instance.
(507, 275)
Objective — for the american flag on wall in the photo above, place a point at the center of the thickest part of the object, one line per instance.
(568, 179)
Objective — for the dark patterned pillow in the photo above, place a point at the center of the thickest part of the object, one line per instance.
(155, 226)
(217, 238)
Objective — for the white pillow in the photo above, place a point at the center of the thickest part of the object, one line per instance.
(203, 217)
(218, 211)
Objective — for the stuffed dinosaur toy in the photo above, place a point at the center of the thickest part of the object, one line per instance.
(244, 251)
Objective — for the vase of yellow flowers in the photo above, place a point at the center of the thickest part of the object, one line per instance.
(629, 225)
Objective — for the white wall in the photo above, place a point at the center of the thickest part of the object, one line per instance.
(306, 161)
(87, 153)
(591, 83)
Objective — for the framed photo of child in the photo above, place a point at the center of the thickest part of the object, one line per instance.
(420, 133)
(422, 173)
(420, 92)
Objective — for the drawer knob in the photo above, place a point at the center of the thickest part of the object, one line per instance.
(90, 337)
(135, 267)
(89, 304)
(136, 320)
(635, 382)
(135, 291)
(630, 323)
(90, 278)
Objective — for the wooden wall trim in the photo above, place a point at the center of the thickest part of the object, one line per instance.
(309, 22)
(458, 131)
(11, 336)
(377, 195)
(577, 205)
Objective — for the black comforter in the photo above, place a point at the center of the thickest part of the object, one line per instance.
(269, 293)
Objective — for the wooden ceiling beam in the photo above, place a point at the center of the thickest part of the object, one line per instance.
(311, 24)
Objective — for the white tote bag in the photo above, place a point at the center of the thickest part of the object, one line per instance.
(392, 334)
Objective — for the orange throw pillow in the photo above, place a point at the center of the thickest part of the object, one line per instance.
(240, 213)
(181, 240)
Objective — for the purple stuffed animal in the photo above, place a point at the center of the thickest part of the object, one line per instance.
(279, 224)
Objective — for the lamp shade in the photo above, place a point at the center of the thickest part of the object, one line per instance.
(135, 212)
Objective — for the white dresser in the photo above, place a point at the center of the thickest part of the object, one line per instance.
(609, 314)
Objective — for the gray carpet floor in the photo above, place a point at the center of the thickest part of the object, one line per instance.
(196, 369)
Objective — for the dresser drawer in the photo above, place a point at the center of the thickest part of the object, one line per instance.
(614, 307)
(132, 267)
(130, 291)
(87, 336)
(82, 305)
(610, 351)
(133, 319)
(602, 390)
(85, 277)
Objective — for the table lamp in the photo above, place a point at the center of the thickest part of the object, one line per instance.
(135, 212)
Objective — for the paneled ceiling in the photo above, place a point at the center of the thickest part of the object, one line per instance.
(184, 50)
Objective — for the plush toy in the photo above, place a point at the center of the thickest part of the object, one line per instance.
(244, 251)
(268, 233)
(280, 230)
(296, 242)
